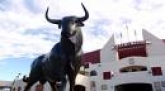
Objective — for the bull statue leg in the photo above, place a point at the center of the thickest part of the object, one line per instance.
(71, 81)
(31, 80)
(72, 77)
(53, 86)
(73, 70)
(42, 81)
(63, 84)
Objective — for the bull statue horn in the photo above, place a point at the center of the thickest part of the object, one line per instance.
(54, 21)
(86, 14)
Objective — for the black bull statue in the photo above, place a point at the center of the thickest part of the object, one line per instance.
(63, 59)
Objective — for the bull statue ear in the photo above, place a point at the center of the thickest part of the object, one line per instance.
(81, 24)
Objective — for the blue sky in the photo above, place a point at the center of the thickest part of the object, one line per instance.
(25, 34)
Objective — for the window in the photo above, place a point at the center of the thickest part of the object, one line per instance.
(163, 83)
(106, 75)
(156, 71)
(86, 65)
(93, 73)
(104, 87)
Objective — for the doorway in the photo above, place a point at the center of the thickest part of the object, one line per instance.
(79, 88)
(134, 87)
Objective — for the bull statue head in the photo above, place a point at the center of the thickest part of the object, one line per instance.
(69, 24)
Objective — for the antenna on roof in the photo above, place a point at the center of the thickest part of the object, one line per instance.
(135, 33)
(127, 32)
(121, 37)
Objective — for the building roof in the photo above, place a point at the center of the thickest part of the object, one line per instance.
(132, 49)
(91, 57)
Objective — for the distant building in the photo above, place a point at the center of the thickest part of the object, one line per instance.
(5, 85)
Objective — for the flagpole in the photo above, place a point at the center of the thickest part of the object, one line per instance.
(121, 37)
(127, 32)
(135, 35)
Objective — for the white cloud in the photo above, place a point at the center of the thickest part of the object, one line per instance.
(106, 17)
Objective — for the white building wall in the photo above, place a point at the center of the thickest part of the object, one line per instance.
(110, 62)
(107, 53)
(156, 46)
(128, 77)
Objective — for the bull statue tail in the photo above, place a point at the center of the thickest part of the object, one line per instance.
(25, 79)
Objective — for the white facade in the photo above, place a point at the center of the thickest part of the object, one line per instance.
(108, 51)
(110, 62)
(157, 46)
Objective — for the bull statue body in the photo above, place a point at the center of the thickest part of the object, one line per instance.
(63, 59)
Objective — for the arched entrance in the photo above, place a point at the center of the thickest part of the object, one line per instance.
(134, 68)
(79, 88)
(134, 87)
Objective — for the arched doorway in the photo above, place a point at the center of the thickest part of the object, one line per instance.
(134, 87)
(79, 88)
(134, 68)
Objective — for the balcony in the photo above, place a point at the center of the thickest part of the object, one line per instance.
(131, 77)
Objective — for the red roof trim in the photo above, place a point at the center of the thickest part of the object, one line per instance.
(91, 57)
(132, 49)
